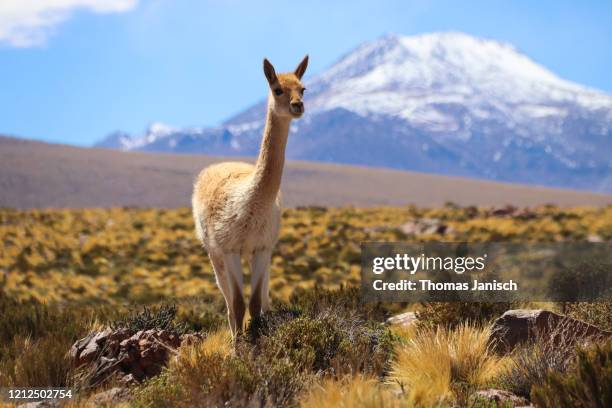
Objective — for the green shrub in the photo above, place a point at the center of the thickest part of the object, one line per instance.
(530, 365)
(281, 382)
(159, 392)
(343, 300)
(596, 313)
(453, 314)
(310, 344)
(269, 322)
(587, 384)
(159, 318)
(200, 321)
(586, 275)
(331, 344)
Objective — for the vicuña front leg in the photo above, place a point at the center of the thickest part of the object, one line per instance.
(233, 268)
(260, 277)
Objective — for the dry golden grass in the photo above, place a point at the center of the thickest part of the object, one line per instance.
(434, 367)
(352, 392)
(219, 342)
(146, 255)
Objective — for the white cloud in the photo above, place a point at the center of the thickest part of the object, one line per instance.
(27, 23)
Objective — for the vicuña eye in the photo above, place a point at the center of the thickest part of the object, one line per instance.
(278, 92)
(302, 91)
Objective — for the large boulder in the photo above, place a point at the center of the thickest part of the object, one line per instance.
(518, 326)
(113, 397)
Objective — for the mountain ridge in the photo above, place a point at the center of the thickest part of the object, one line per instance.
(41, 175)
(446, 103)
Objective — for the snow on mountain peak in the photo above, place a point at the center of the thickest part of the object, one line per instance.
(154, 132)
(157, 129)
(403, 59)
(418, 77)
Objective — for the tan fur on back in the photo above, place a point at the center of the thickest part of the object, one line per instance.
(230, 220)
(214, 183)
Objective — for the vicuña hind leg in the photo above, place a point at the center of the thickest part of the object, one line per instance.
(260, 276)
(234, 276)
(221, 275)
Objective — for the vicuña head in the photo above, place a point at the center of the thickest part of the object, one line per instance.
(286, 90)
(236, 206)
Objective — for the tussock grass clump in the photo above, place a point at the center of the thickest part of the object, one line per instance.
(352, 392)
(438, 366)
(35, 363)
(30, 319)
(34, 339)
(588, 383)
(530, 365)
(551, 350)
(208, 373)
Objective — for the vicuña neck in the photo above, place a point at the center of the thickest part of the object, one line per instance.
(269, 166)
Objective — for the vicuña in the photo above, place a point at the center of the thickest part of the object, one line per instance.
(236, 206)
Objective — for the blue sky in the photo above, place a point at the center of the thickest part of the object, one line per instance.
(73, 71)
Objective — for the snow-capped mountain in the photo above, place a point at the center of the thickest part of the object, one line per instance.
(447, 103)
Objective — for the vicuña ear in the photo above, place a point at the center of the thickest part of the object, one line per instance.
(269, 72)
(299, 71)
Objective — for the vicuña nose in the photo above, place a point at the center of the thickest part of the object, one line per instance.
(299, 105)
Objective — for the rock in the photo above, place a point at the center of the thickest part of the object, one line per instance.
(134, 356)
(88, 348)
(79, 346)
(144, 343)
(128, 379)
(403, 319)
(89, 353)
(594, 238)
(110, 397)
(101, 337)
(501, 398)
(518, 326)
(425, 226)
(42, 404)
(512, 211)
(506, 211)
